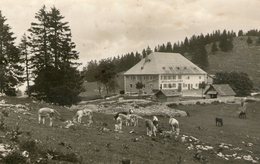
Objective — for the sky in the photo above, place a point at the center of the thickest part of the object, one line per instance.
(107, 28)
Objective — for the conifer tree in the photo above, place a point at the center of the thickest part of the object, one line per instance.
(11, 71)
(249, 40)
(54, 58)
(214, 47)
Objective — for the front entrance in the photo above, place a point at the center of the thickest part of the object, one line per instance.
(179, 87)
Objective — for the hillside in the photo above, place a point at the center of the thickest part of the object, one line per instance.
(243, 58)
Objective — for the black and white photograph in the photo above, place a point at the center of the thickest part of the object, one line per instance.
(129, 81)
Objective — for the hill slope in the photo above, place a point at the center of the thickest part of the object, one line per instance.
(243, 58)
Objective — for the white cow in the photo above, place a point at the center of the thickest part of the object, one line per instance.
(46, 112)
(174, 124)
(84, 112)
(150, 128)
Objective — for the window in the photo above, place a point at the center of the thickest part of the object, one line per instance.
(174, 85)
(169, 85)
(199, 77)
(179, 76)
(174, 77)
(131, 85)
(164, 85)
(165, 77)
(151, 77)
(169, 77)
(196, 85)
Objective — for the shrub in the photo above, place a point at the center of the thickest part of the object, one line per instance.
(122, 92)
(14, 158)
(198, 103)
(29, 145)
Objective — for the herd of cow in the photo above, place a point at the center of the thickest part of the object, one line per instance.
(126, 118)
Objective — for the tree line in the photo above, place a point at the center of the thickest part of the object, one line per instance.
(46, 55)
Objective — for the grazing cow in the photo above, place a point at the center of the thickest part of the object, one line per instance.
(155, 121)
(47, 112)
(150, 128)
(219, 121)
(134, 119)
(84, 112)
(117, 114)
(242, 114)
(118, 125)
(174, 124)
(125, 113)
(125, 118)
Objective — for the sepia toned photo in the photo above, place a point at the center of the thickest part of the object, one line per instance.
(129, 82)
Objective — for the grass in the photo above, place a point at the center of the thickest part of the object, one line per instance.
(92, 145)
(243, 58)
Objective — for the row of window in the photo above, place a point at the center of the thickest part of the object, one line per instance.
(174, 85)
(170, 77)
(131, 85)
(141, 77)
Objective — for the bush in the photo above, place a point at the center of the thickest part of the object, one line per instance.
(122, 92)
(14, 158)
(10, 92)
(238, 81)
(29, 145)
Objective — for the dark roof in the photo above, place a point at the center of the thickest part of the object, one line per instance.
(168, 93)
(221, 89)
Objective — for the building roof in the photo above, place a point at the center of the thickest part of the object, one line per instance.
(221, 89)
(164, 63)
(168, 93)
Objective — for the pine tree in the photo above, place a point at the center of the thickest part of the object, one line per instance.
(11, 71)
(249, 40)
(168, 47)
(214, 47)
(240, 33)
(23, 47)
(54, 58)
(60, 40)
(148, 50)
(39, 44)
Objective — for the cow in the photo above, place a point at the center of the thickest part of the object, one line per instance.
(81, 113)
(219, 121)
(174, 124)
(242, 114)
(47, 112)
(150, 128)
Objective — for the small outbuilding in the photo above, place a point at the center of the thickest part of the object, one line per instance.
(167, 95)
(219, 90)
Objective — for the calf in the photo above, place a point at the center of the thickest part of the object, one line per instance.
(150, 128)
(46, 112)
(219, 121)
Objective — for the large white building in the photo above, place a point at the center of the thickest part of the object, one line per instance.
(164, 71)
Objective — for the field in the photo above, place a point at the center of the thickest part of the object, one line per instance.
(100, 144)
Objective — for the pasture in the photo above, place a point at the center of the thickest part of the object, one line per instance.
(100, 144)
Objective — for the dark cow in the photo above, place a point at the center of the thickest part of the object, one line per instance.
(242, 114)
(219, 121)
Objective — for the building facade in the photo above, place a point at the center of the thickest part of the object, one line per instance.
(164, 71)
